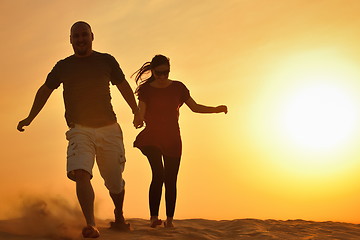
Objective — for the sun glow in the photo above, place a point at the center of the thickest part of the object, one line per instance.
(319, 112)
(307, 114)
(319, 117)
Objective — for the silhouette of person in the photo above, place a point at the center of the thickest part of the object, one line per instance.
(93, 129)
(159, 101)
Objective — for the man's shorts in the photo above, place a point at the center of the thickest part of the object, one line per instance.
(105, 144)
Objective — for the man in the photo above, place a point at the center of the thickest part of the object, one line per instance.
(93, 128)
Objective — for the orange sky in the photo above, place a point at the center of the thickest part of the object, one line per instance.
(259, 161)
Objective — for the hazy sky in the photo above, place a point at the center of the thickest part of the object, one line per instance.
(288, 71)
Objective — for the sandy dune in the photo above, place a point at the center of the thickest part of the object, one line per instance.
(190, 229)
(56, 219)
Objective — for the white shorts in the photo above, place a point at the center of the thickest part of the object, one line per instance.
(106, 145)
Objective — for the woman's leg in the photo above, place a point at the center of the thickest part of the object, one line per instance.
(171, 165)
(154, 156)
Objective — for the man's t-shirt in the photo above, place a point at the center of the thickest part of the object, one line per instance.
(86, 84)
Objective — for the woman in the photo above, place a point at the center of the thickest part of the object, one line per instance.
(159, 101)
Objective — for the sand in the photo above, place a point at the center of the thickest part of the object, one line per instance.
(56, 219)
(188, 229)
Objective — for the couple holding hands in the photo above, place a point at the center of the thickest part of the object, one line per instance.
(95, 134)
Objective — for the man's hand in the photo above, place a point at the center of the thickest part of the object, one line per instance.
(41, 97)
(22, 124)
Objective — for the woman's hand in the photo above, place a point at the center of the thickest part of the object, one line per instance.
(138, 120)
(221, 108)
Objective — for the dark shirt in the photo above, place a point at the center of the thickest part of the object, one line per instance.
(86, 84)
(161, 117)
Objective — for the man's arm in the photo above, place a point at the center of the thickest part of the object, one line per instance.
(141, 118)
(128, 95)
(41, 97)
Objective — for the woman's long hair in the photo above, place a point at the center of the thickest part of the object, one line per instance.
(146, 67)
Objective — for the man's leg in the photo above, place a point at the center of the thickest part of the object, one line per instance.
(119, 224)
(110, 158)
(112, 175)
(80, 161)
(85, 195)
(118, 200)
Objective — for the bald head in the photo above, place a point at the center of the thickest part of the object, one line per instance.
(80, 23)
(81, 38)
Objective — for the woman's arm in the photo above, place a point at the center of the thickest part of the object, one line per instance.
(198, 108)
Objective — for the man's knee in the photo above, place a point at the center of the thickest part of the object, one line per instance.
(82, 175)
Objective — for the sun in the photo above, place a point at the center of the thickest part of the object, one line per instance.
(318, 108)
(319, 117)
(305, 119)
